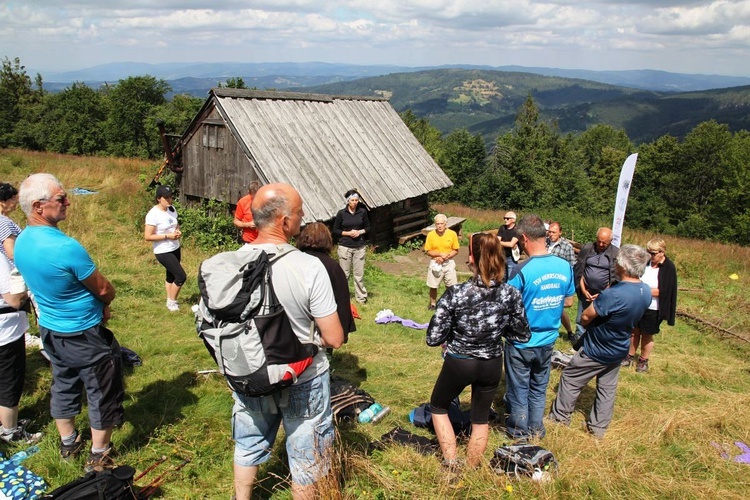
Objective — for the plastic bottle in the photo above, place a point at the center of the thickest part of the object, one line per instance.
(381, 414)
(23, 455)
(367, 415)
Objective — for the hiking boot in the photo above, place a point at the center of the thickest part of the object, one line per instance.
(70, 451)
(642, 366)
(627, 361)
(20, 435)
(98, 462)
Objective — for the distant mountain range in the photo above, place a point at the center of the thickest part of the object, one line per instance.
(197, 78)
(646, 104)
(486, 102)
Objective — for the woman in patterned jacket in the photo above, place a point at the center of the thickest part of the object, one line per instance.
(471, 319)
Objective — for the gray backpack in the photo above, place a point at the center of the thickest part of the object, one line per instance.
(244, 326)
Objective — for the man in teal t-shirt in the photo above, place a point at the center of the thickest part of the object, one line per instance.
(546, 284)
(73, 300)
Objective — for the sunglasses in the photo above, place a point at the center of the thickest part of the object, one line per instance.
(654, 253)
(508, 218)
(59, 199)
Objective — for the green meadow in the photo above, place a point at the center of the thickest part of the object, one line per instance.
(659, 445)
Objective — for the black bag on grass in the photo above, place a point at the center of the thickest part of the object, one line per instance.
(348, 400)
(115, 484)
(523, 460)
(421, 416)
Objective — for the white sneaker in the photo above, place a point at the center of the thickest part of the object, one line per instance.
(21, 435)
(172, 305)
(33, 341)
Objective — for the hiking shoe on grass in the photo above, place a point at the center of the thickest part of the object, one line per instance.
(627, 361)
(33, 342)
(70, 451)
(20, 435)
(172, 305)
(98, 462)
(642, 366)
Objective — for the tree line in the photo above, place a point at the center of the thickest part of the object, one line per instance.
(695, 187)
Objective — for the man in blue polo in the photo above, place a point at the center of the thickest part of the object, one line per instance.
(73, 299)
(546, 284)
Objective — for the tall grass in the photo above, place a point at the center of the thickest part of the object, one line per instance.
(659, 444)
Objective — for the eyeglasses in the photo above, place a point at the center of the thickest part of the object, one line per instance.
(59, 199)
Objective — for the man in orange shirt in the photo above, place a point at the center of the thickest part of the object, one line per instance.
(243, 217)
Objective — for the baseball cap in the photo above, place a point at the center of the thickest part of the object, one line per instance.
(164, 192)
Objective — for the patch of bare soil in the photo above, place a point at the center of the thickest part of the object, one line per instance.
(415, 263)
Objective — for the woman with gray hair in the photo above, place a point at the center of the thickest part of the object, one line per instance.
(609, 319)
(661, 276)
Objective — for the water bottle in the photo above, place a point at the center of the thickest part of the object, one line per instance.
(381, 414)
(367, 415)
(23, 455)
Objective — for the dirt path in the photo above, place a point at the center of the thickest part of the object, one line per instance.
(415, 263)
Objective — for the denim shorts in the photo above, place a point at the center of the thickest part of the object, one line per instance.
(305, 411)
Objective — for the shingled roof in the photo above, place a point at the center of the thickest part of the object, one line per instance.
(324, 145)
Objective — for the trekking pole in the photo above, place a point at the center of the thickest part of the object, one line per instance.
(151, 487)
(150, 468)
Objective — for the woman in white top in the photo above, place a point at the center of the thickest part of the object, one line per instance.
(163, 230)
(9, 230)
(13, 325)
(661, 276)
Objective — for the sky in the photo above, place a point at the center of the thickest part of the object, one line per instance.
(680, 36)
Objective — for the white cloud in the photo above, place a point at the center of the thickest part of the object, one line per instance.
(712, 36)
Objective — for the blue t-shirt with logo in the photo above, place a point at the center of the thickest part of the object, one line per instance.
(54, 266)
(619, 308)
(544, 281)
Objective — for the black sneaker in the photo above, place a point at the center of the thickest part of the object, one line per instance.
(70, 451)
(98, 462)
(431, 307)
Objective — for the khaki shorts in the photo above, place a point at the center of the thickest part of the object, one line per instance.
(447, 274)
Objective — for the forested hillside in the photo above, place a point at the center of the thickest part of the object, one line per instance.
(692, 182)
(485, 102)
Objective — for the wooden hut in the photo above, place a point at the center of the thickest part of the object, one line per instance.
(322, 145)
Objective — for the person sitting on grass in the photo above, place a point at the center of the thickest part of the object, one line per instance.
(471, 319)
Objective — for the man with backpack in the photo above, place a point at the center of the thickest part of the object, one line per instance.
(304, 290)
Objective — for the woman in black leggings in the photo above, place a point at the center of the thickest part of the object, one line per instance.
(471, 319)
(163, 231)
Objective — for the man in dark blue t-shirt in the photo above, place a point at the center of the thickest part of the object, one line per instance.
(609, 321)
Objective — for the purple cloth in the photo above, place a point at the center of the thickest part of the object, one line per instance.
(406, 322)
(745, 456)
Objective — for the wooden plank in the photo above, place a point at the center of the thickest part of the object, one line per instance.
(453, 223)
(402, 218)
(407, 237)
(410, 225)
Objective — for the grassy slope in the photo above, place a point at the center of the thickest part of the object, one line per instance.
(659, 444)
